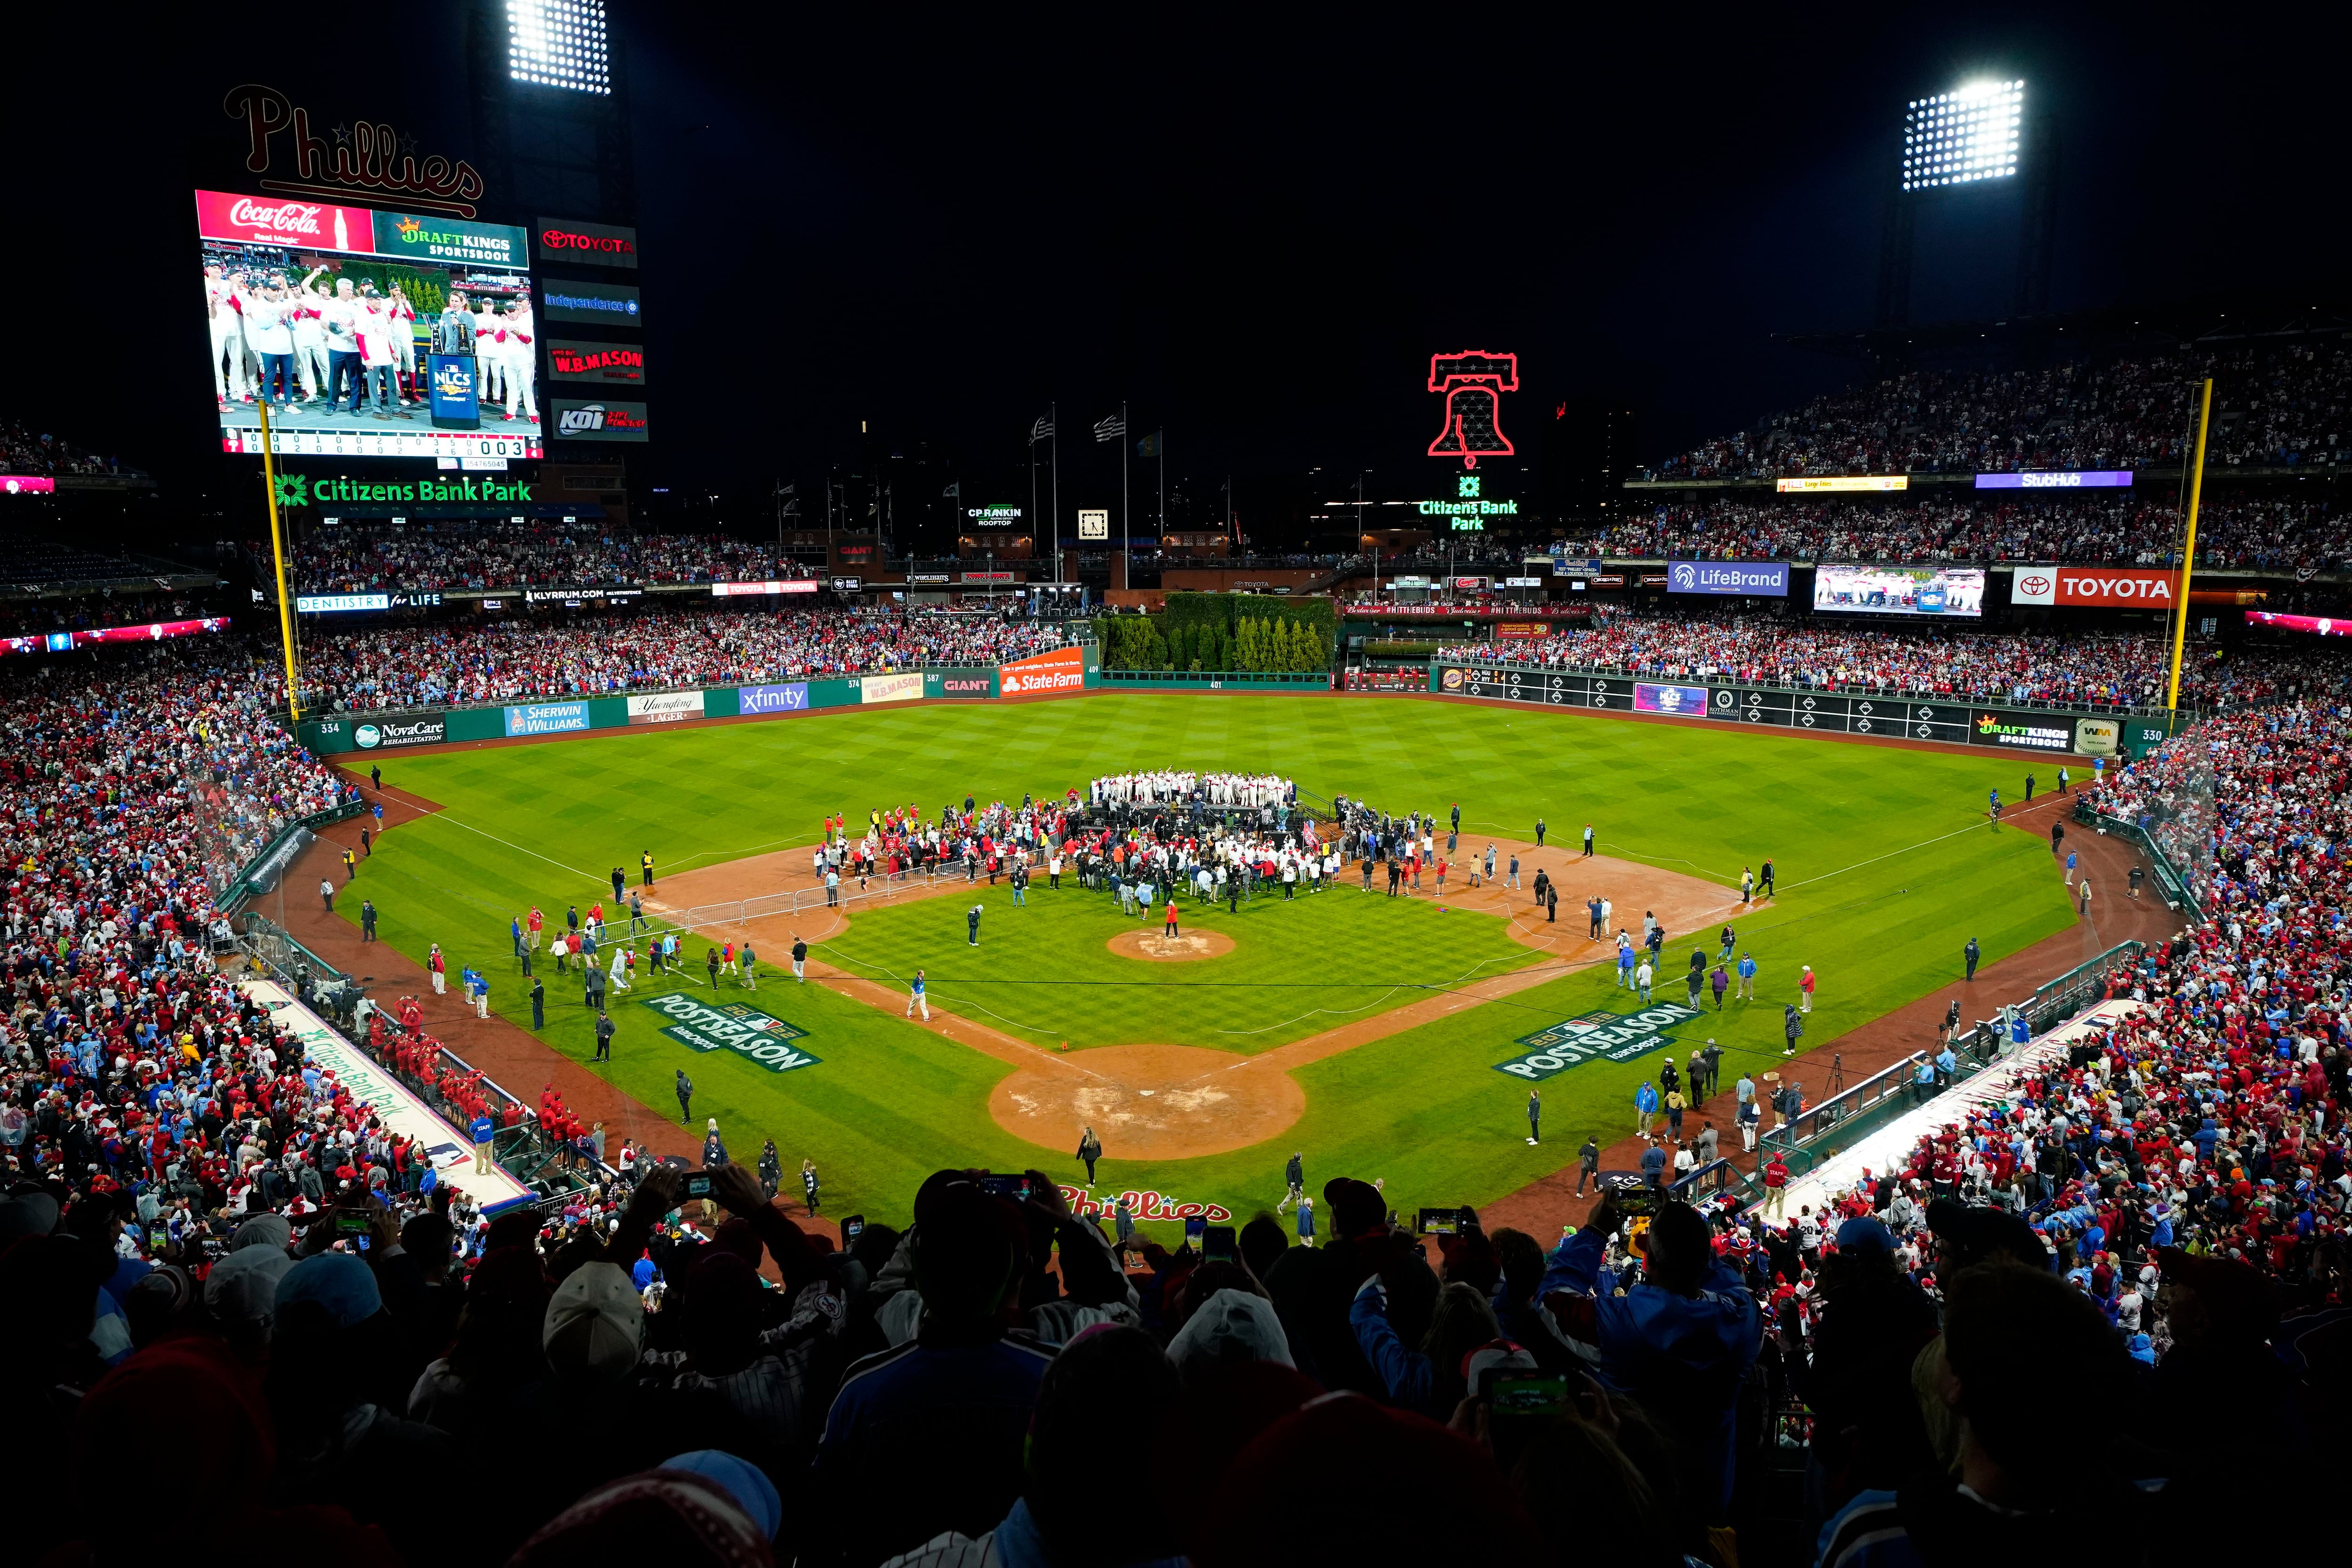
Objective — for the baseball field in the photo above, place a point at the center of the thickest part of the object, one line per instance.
(1364, 1032)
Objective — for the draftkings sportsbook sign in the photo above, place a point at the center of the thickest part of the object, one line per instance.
(1595, 1035)
(732, 1027)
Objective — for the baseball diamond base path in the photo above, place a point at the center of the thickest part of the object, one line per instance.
(512, 1057)
(1174, 1102)
(1542, 1207)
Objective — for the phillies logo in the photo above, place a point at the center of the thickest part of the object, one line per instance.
(1472, 383)
(291, 217)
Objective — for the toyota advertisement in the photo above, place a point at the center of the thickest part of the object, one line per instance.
(1952, 591)
(2132, 589)
(369, 333)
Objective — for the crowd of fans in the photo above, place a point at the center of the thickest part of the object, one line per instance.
(404, 667)
(438, 556)
(2117, 529)
(24, 451)
(2278, 409)
(2078, 1313)
(2123, 670)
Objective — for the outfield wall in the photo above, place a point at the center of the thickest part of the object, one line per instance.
(2049, 732)
(1069, 670)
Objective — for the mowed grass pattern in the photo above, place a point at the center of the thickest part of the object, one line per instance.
(1886, 867)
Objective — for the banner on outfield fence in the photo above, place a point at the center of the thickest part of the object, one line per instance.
(732, 1027)
(665, 707)
(1653, 696)
(791, 699)
(394, 734)
(904, 687)
(1595, 1035)
(1064, 669)
(546, 718)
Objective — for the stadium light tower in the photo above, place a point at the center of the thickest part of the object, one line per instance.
(1978, 135)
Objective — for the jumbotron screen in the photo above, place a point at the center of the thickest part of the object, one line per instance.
(1900, 590)
(373, 335)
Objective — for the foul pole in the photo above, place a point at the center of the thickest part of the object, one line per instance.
(278, 555)
(2187, 560)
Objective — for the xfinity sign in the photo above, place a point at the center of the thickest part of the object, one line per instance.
(1763, 577)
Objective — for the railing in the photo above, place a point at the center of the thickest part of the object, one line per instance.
(1208, 679)
(794, 900)
(2177, 888)
(1712, 1180)
(1880, 1098)
(260, 873)
(1850, 688)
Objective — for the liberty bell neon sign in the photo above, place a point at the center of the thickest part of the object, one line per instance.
(1472, 383)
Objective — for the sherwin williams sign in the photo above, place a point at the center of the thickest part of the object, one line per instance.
(904, 687)
(1595, 1035)
(547, 717)
(732, 1027)
(791, 699)
(1764, 578)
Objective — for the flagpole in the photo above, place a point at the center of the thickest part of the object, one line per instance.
(1053, 413)
(1122, 471)
(1161, 444)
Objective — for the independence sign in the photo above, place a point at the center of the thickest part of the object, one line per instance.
(1618, 1037)
(733, 1026)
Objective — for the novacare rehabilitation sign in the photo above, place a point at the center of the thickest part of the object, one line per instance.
(732, 1027)
(1618, 1037)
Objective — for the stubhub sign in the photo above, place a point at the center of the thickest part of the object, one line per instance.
(1769, 578)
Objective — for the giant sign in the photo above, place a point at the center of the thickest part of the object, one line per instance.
(2132, 587)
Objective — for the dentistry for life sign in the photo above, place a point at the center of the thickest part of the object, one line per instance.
(1769, 578)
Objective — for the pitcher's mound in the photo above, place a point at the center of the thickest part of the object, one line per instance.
(1171, 948)
(1148, 1102)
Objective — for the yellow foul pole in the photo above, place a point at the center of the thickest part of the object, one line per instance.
(2187, 558)
(278, 553)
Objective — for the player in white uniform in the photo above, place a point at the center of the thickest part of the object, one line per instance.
(403, 347)
(515, 341)
(489, 360)
(310, 338)
(228, 335)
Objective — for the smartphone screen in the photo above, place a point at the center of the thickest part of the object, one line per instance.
(697, 1185)
(1218, 1245)
(1438, 1222)
(351, 1222)
(852, 1227)
(1014, 1187)
(1527, 1394)
(1195, 1229)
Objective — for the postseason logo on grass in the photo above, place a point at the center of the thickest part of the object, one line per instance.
(732, 1027)
(1600, 1034)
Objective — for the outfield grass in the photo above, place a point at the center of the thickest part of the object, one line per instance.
(1885, 865)
(1044, 973)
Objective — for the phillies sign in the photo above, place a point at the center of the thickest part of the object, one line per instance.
(2091, 586)
(360, 155)
(1143, 1206)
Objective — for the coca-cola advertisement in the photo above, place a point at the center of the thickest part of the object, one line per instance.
(341, 325)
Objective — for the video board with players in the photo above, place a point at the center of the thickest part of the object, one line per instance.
(1872, 590)
(372, 334)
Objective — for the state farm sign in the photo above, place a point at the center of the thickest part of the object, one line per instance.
(1064, 669)
(2091, 586)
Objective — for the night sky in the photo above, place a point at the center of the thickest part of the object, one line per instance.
(1253, 229)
